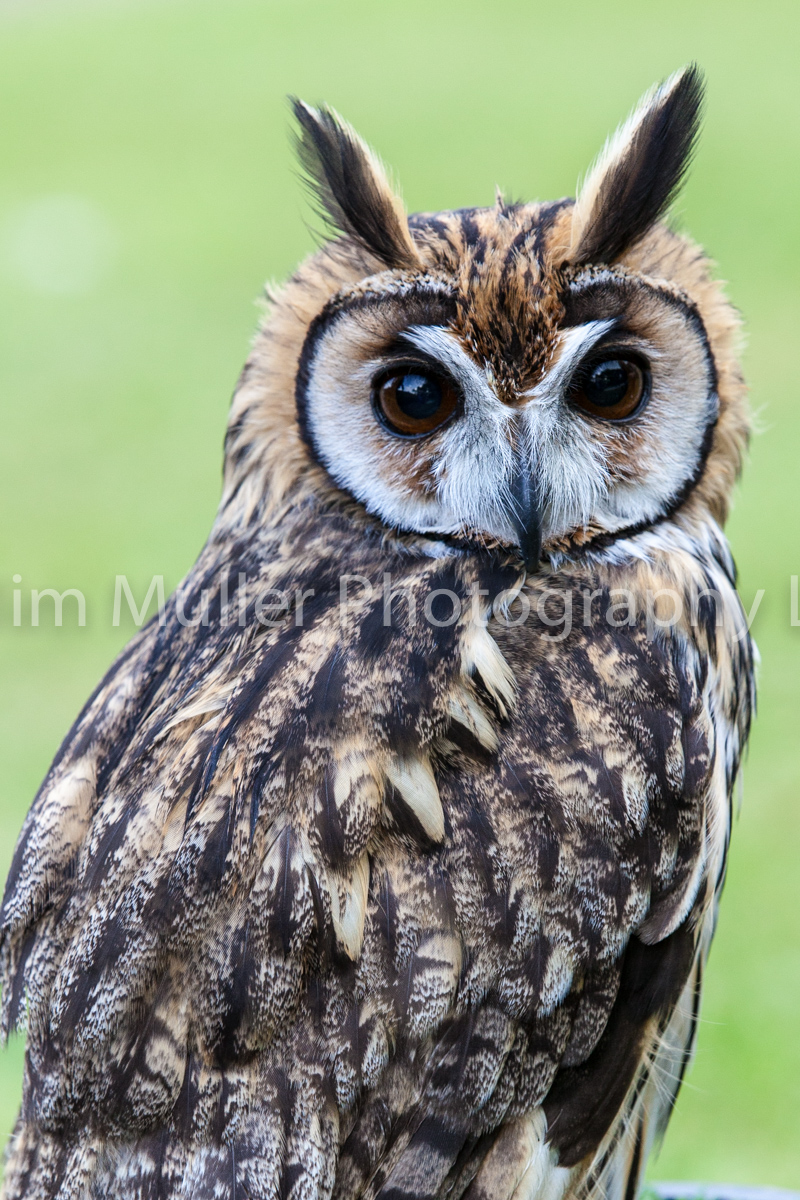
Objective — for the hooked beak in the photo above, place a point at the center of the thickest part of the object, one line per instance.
(525, 515)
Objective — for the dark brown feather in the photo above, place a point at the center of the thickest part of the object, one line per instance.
(350, 188)
(638, 188)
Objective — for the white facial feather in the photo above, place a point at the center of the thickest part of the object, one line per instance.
(476, 461)
(587, 471)
(570, 467)
(573, 346)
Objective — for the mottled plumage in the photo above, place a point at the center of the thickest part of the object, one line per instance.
(403, 887)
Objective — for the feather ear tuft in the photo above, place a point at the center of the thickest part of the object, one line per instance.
(639, 171)
(351, 186)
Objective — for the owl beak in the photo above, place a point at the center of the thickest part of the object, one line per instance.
(525, 515)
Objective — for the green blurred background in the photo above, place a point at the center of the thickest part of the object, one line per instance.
(147, 190)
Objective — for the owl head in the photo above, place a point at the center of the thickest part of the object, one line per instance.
(546, 377)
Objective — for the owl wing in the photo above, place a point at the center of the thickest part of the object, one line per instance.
(582, 862)
(321, 903)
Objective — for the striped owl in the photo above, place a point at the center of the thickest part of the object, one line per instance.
(384, 863)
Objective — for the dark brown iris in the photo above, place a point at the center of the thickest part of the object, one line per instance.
(612, 388)
(415, 402)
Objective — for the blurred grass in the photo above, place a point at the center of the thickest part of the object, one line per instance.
(168, 119)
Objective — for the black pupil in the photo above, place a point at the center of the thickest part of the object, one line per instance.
(608, 383)
(418, 396)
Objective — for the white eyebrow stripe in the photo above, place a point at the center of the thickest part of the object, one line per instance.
(573, 345)
(442, 345)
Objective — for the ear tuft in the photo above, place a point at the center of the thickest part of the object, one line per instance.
(639, 171)
(351, 186)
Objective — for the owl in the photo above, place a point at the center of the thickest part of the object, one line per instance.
(384, 862)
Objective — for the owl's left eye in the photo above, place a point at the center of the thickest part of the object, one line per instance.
(614, 388)
(414, 402)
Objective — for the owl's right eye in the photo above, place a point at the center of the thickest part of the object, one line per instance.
(414, 402)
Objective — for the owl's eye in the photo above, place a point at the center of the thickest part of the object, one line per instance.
(613, 388)
(414, 402)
